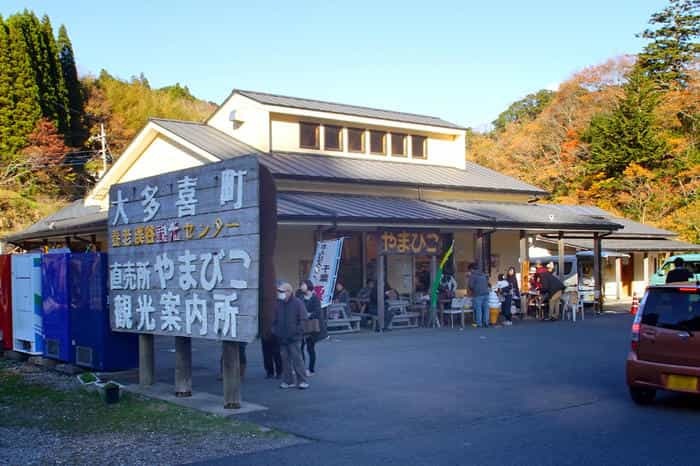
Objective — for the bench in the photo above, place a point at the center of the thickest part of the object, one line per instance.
(344, 322)
(345, 325)
(405, 320)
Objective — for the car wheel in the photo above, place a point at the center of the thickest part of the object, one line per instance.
(642, 396)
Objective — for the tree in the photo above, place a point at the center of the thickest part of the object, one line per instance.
(673, 47)
(524, 109)
(628, 133)
(19, 94)
(77, 134)
(42, 52)
(45, 154)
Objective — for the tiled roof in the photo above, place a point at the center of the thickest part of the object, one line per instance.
(630, 227)
(332, 107)
(336, 168)
(545, 216)
(632, 245)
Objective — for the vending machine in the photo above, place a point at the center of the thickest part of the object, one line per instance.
(6, 301)
(27, 330)
(95, 345)
(55, 285)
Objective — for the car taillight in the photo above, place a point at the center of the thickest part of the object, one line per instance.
(637, 325)
(688, 290)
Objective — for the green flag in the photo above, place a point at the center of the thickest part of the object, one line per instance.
(438, 277)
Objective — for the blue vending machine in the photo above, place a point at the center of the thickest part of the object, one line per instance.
(55, 288)
(95, 345)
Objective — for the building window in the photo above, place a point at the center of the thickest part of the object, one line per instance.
(333, 138)
(398, 144)
(418, 149)
(377, 142)
(356, 140)
(309, 135)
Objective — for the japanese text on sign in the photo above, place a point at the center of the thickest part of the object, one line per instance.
(184, 252)
(409, 242)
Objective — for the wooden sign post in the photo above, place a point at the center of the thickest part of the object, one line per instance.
(184, 261)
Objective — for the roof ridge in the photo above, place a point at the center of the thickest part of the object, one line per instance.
(398, 162)
(175, 120)
(244, 92)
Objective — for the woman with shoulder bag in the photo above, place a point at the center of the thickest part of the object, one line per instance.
(316, 324)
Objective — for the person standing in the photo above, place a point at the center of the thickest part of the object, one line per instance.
(478, 285)
(272, 359)
(679, 272)
(513, 281)
(288, 327)
(552, 289)
(313, 312)
(506, 291)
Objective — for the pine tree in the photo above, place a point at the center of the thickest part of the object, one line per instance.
(41, 48)
(56, 82)
(673, 47)
(69, 70)
(19, 94)
(628, 134)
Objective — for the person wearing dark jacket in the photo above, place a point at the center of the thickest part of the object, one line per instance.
(313, 311)
(288, 327)
(513, 280)
(552, 289)
(679, 272)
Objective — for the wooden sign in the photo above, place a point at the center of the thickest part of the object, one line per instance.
(409, 242)
(184, 252)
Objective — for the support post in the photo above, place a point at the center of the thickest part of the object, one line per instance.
(647, 272)
(380, 291)
(479, 248)
(364, 258)
(524, 271)
(183, 367)
(433, 277)
(618, 278)
(560, 251)
(231, 373)
(146, 360)
(597, 272)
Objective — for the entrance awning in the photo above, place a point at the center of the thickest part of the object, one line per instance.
(363, 210)
(302, 208)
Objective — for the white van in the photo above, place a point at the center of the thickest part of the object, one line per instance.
(578, 272)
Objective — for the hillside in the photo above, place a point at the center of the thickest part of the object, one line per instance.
(552, 147)
(50, 116)
(622, 135)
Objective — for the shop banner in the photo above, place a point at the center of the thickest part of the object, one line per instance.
(409, 242)
(184, 252)
(324, 269)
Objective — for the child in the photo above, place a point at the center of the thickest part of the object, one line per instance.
(505, 290)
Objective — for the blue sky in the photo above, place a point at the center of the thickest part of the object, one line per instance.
(464, 61)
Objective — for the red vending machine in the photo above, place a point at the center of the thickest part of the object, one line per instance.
(5, 301)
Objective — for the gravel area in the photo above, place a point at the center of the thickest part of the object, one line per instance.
(36, 444)
(36, 447)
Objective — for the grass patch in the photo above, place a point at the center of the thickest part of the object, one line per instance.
(25, 404)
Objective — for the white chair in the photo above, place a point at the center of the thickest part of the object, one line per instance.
(572, 303)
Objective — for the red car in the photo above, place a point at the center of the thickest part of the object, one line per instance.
(665, 353)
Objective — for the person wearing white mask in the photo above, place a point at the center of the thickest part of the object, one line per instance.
(288, 327)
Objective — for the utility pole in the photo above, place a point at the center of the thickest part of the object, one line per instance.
(103, 149)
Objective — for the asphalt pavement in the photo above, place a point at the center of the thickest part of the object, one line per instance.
(535, 393)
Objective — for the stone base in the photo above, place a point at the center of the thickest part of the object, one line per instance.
(15, 355)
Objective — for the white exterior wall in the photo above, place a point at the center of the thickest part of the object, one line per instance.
(159, 157)
(446, 150)
(506, 245)
(293, 245)
(464, 254)
(255, 126)
(639, 282)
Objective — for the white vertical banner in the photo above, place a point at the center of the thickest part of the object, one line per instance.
(324, 269)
